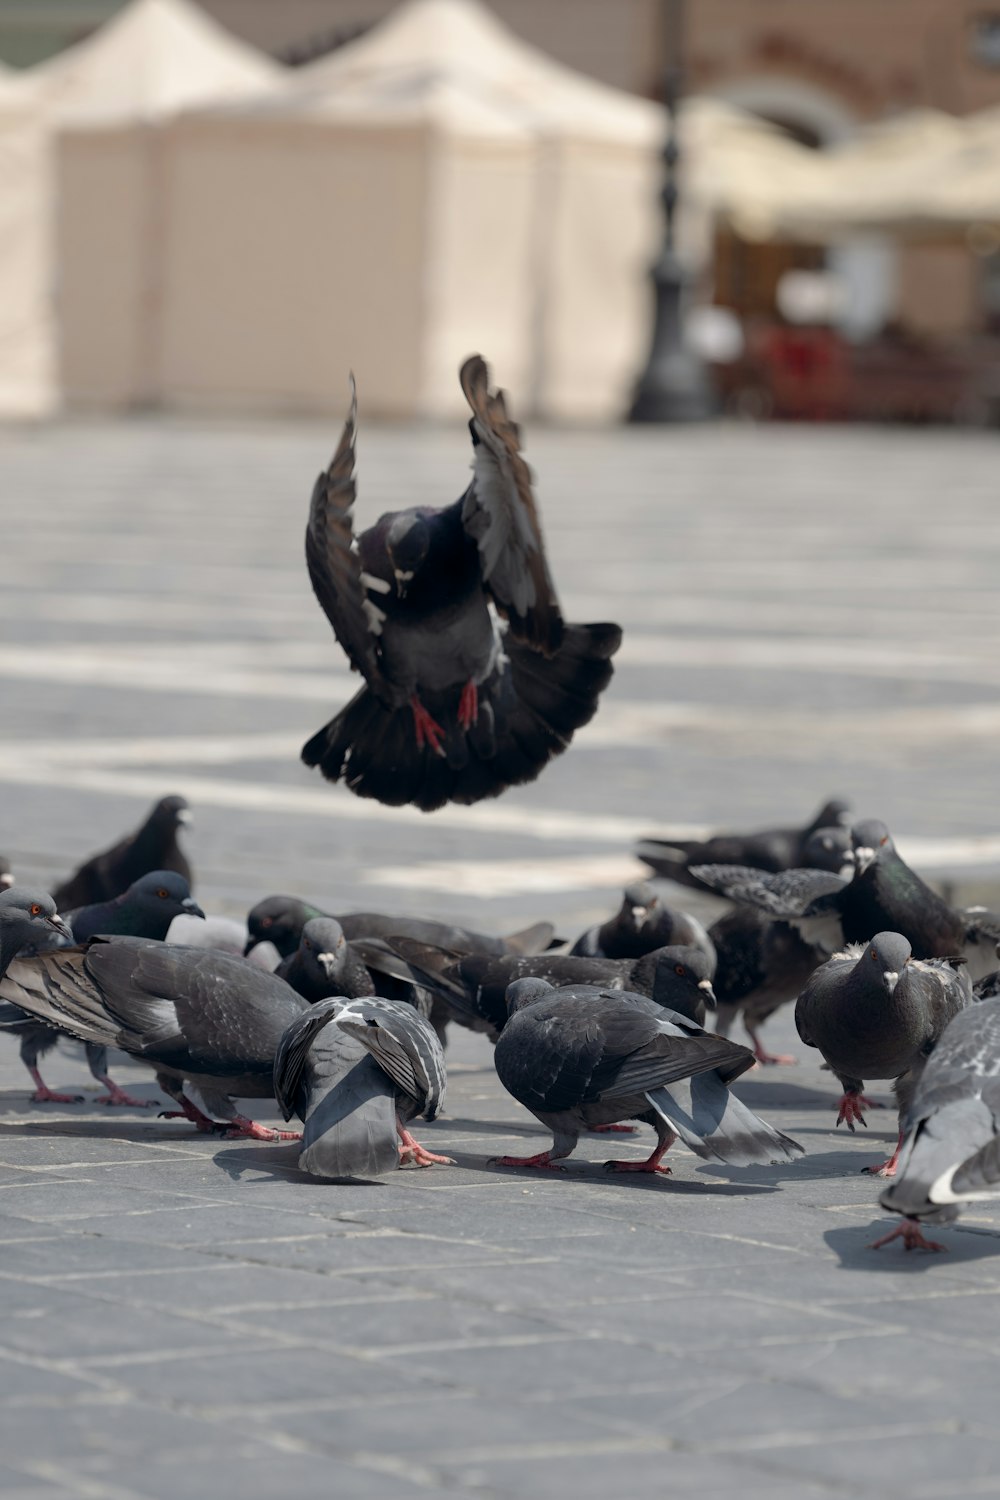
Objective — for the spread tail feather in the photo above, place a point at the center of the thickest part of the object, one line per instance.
(529, 710)
(716, 1126)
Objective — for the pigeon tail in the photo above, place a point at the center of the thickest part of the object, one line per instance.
(350, 1131)
(716, 1126)
(528, 711)
(949, 1158)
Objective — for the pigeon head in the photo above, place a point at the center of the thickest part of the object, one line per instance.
(170, 813)
(278, 920)
(323, 943)
(828, 849)
(407, 542)
(890, 951)
(640, 900)
(162, 893)
(683, 971)
(6, 877)
(869, 840)
(526, 992)
(24, 915)
(833, 814)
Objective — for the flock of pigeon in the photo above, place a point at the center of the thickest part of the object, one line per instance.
(473, 681)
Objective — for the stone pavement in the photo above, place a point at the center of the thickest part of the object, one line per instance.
(807, 613)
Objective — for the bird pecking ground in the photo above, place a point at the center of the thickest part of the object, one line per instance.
(807, 613)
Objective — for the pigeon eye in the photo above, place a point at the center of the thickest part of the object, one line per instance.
(36, 910)
(884, 839)
(874, 957)
(678, 968)
(163, 894)
(266, 921)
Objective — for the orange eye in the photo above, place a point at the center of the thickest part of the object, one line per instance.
(36, 910)
(162, 894)
(884, 840)
(874, 957)
(679, 968)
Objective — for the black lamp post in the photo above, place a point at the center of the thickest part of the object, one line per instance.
(674, 387)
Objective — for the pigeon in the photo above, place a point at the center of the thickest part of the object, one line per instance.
(6, 873)
(196, 1017)
(280, 920)
(146, 910)
(325, 964)
(456, 706)
(585, 1057)
(355, 1072)
(26, 915)
(988, 988)
(878, 1012)
(762, 964)
(770, 849)
(151, 847)
(641, 924)
(223, 935)
(951, 1131)
(474, 987)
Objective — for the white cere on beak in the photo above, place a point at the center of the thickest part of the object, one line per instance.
(185, 817)
(6, 880)
(639, 915)
(863, 857)
(891, 980)
(328, 962)
(706, 985)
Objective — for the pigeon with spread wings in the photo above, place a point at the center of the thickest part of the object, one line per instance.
(456, 705)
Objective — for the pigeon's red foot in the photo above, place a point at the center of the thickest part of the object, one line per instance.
(189, 1111)
(543, 1161)
(468, 705)
(886, 1168)
(773, 1059)
(636, 1166)
(911, 1235)
(240, 1129)
(116, 1095)
(850, 1113)
(613, 1129)
(428, 730)
(44, 1095)
(411, 1153)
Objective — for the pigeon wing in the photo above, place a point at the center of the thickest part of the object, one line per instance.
(334, 565)
(293, 1049)
(498, 512)
(403, 1045)
(789, 893)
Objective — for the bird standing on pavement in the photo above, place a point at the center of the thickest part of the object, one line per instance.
(585, 1057)
(153, 846)
(356, 1072)
(878, 1012)
(950, 1152)
(643, 922)
(325, 964)
(455, 708)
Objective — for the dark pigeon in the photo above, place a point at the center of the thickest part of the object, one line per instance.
(198, 1018)
(27, 917)
(325, 964)
(280, 920)
(643, 922)
(356, 1072)
(152, 847)
(770, 849)
(583, 1058)
(762, 965)
(474, 987)
(950, 1153)
(456, 707)
(878, 1012)
(145, 910)
(988, 988)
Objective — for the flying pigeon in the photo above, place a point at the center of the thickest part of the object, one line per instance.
(356, 1072)
(641, 924)
(455, 707)
(878, 1012)
(152, 847)
(950, 1152)
(474, 987)
(771, 849)
(146, 910)
(325, 964)
(280, 920)
(586, 1057)
(198, 1018)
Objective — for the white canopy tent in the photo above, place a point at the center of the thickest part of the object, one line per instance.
(153, 57)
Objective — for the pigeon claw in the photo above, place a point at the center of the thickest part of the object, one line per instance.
(241, 1129)
(773, 1059)
(636, 1166)
(910, 1233)
(886, 1168)
(44, 1095)
(543, 1161)
(427, 729)
(851, 1106)
(411, 1153)
(468, 706)
(117, 1095)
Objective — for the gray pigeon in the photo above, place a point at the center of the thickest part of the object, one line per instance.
(355, 1072)
(584, 1057)
(771, 849)
(199, 1018)
(877, 1012)
(27, 917)
(951, 1131)
(762, 965)
(455, 706)
(6, 873)
(325, 964)
(643, 922)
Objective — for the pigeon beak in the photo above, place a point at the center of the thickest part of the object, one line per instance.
(60, 926)
(402, 579)
(192, 908)
(328, 963)
(184, 818)
(639, 915)
(863, 857)
(706, 986)
(890, 980)
(6, 880)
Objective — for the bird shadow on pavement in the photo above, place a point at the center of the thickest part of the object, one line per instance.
(852, 1244)
(815, 1166)
(764, 1091)
(277, 1163)
(633, 1182)
(484, 1127)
